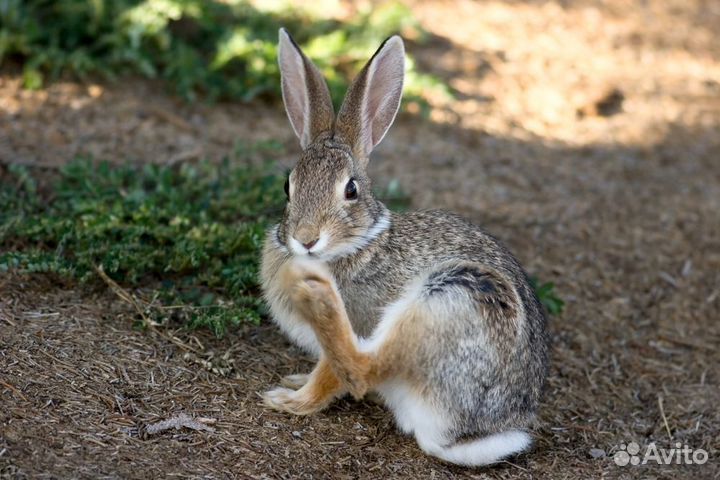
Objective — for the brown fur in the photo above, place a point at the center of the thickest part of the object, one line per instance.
(320, 305)
(315, 296)
(321, 388)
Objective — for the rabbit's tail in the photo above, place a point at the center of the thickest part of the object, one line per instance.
(483, 451)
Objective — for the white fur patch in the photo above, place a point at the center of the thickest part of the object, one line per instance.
(355, 245)
(299, 249)
(412, 413)
(483, 451)
(297, 330)
(296, 247)
(321, 244)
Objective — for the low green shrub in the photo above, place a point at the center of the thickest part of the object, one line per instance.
(191, 233)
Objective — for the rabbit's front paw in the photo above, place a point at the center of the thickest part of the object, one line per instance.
(295, 271)
(292, 401)
(295, 381)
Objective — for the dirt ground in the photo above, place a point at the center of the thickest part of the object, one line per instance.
(585, 135)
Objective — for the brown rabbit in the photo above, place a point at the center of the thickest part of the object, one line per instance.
(423, 308)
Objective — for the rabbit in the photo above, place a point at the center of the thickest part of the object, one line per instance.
(423, 309)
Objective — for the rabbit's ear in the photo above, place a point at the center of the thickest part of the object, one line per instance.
(304, 91)
(373, 99)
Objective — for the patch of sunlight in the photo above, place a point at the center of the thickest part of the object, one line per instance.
(527, 70)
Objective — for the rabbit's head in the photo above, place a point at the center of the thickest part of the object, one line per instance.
(331, 211)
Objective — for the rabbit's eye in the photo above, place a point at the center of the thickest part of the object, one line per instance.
(351, 190)
(287, 188)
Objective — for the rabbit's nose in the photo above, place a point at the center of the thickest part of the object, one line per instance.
(307, 235)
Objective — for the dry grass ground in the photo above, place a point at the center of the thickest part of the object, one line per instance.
(584, 134)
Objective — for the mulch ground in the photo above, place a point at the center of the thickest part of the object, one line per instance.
(585, 137)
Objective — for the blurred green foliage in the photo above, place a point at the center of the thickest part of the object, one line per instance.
(214, 48)
(548, 296)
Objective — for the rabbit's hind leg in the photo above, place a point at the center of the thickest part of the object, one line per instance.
(358, 365)
(316, 299)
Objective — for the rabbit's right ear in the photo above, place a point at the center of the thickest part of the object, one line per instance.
(373, 99)
(304, 91)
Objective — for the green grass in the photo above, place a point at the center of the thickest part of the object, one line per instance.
(192, 234)
(214, 49)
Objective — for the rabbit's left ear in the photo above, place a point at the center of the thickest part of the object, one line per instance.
(305, 93)
(373, 99)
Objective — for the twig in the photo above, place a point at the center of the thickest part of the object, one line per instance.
(14, 390)
(179, 421)
(123, 294)
(132, 300)
(684, 343)
(515, 465)
(40, 314)
(662, 413)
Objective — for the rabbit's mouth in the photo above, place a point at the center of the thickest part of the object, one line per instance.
(314, 248)
(287, 243)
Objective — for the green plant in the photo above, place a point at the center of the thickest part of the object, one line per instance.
(214, 48)
(191, 234)
(547, 296)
